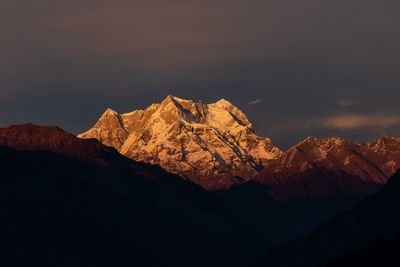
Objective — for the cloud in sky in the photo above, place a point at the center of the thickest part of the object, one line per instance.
(254, 102)
(346, 103)
(354, 121)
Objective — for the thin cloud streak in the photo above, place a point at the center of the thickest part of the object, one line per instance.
(254, 102)
(354, 121)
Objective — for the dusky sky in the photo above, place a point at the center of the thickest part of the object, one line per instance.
(297, 68)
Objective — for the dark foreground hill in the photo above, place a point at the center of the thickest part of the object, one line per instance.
(66, 203)
(358, 229)
(73, 202)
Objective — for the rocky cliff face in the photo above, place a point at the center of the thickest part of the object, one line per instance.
(213, 145)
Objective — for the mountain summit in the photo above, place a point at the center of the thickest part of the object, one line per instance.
(213, 141)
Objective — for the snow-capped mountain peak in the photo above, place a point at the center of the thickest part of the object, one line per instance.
(213, 141)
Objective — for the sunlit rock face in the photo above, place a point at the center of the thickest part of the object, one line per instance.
(372, 162)
(213, 145)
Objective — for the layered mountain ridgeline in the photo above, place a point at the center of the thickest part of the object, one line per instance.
(54, 170)
(216, 147)
(152, 183)
(52, 180)
(368, 227)
(77, 184)
(212, 145)
(263, 190)
(73, 202)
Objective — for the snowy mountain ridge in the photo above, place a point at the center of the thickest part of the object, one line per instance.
(215, 146)
(215, 141)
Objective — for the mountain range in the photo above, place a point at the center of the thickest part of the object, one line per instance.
(189, 184)
(215, 146)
